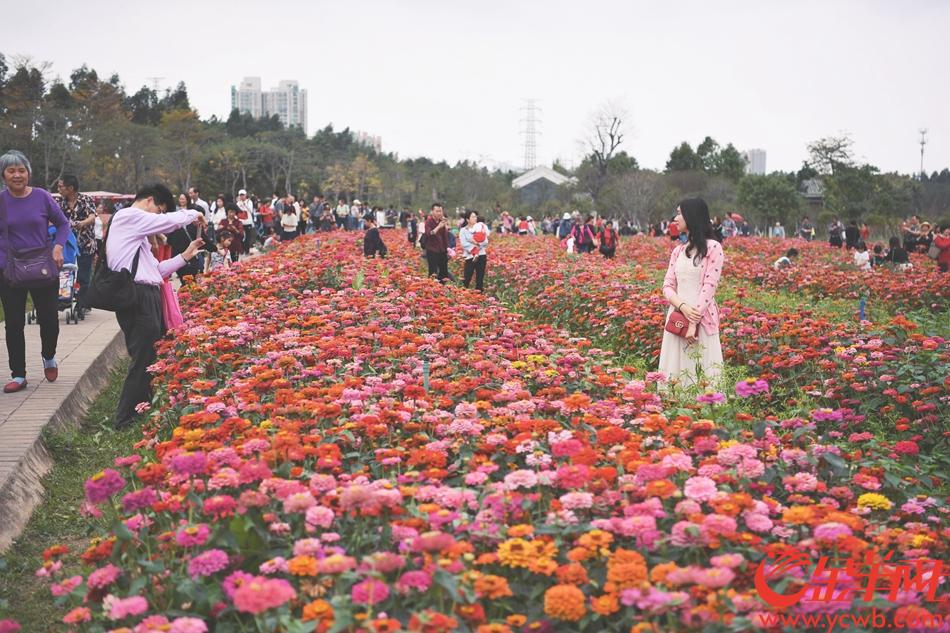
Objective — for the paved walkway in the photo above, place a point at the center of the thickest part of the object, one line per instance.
(86, 352)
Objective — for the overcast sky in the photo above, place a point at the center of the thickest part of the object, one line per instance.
(447, 78)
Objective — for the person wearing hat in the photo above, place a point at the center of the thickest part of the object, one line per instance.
(353, 221)
(925, 237)
(247, 218)
(564, 227)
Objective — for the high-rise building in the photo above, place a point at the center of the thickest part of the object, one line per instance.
(287, 101)
(247, 98)
(755, 162)
(368, 140)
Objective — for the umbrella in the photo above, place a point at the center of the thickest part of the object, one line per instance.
(737, 217)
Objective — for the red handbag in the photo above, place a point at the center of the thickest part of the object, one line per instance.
(677, 324)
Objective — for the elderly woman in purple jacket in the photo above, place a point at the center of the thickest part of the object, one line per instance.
(27, 212)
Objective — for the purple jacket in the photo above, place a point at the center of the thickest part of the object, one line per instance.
(29, 219)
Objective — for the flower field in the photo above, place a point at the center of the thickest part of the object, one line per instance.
(340, 444)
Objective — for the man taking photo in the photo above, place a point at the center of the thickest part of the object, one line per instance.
(127, 247)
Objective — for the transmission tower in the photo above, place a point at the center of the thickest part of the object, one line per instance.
(155, 82)
(923, 141)
(530, 133)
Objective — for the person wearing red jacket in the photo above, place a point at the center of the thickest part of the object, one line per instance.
(436, 243)
(942, 241)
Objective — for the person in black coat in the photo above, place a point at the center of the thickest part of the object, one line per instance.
(372, 242)
(852, 235)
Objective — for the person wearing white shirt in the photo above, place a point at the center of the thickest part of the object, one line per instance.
(127, 247)
(247, 216)
(862, 258)
(473, 238)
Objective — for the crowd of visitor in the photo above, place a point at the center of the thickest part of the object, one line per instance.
(159, 235)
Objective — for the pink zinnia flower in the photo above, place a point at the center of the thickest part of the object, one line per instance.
(65, 587)
(714, 578)
(319, 517)
(831, 531)
(193, 535)
(119, 608)
(521, 479)
(235, 580)
(189, 463)
(299, 502)
(370, 591)
(711, 397)
(700, 488)
(139, 500)
(418, 580)
(260, 594)
(188, 625)
(104, 576)
(751, 387)
(577, 500)
(207, 563)
(103, 485)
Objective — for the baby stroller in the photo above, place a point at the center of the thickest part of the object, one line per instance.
(68, 289)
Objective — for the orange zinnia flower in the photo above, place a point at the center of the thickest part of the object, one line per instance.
(564, 602)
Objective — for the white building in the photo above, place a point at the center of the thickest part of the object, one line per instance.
(755, 162)
(287, 101)
(247, 98)
(368, 140)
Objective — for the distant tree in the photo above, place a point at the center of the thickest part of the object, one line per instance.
(827, 154)
(683, 158)
(770, 198)
(144, 107)
(605, 135)
(706, 152)
(729, 163)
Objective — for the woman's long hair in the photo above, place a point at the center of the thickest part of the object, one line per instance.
(700, 228)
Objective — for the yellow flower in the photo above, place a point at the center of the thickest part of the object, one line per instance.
(515, 552)
(874, 501)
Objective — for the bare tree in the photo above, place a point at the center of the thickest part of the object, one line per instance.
(605, 134)
(607, 131)
(829, 152)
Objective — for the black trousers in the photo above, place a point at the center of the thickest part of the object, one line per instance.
(475, 266)
(45, 301)
(438, 265)
(142, 326)
(83, 276)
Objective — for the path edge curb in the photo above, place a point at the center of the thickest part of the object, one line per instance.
(23, 490)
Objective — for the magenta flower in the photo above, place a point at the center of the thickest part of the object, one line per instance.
(189, 463)
(711, 397)
(370, 591)
(751, 387)
(139, 500)
(207, 563)
(103, 485)
(193, 535)
(418, 580)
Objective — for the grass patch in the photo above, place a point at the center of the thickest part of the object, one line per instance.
(78, 453)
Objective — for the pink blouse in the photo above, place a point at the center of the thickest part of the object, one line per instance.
(712, 271)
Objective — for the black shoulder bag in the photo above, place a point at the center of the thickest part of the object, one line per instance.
(112, 290)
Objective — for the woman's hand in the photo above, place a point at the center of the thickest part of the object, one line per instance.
(58, 256)
(692, 333)
(691, 313)
(193, 249)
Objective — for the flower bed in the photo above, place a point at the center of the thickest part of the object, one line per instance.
(892, 373)
(342, 445)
